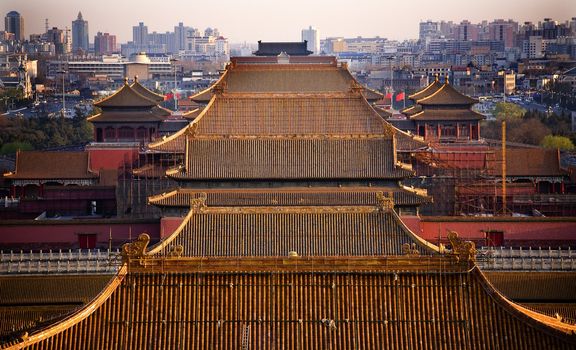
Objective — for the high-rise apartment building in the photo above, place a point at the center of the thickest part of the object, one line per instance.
(466, 31)
(14, 23)
(180, 37)
(104, 43)
(80, 34)
(140, 34)
(313, 38)
(59, 39)
(500, 30)
(429, 31)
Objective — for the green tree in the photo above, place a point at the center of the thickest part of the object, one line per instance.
(508, 111)
(13, 147)
(561, 142)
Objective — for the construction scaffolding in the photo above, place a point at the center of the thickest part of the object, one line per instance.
(468, 180)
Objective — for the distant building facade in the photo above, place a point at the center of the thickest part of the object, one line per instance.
(140, 34)
(80, 39)
(104, 44)
(312, 37)
(14, 23)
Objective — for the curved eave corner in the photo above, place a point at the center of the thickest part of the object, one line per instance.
(160, 246)
(153, 200)
(207, 94)
(77, 316)
(432, 248)
(537, 319)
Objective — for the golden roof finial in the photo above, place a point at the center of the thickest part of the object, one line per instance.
(385, 201)
(197, 205)
(436, 77)
(463, 251)
(125, 80)
(136, 78)
(136, 249)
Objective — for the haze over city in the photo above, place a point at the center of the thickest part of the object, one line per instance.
(253, 20)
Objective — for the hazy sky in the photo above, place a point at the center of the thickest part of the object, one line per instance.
(252, 20)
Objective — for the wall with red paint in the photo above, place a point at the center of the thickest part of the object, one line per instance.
(517, 231)
(111, 158)
(168, 225)
(53, 235)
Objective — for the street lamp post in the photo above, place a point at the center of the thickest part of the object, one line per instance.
(390, 59)
(173, 61)
(63, 111)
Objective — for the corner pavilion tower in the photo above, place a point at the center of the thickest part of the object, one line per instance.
(291, 239)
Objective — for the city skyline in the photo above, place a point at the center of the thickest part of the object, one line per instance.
(283, 21)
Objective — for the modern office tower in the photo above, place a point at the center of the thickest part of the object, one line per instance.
(313, 38)
(14, 23)
(80, 34)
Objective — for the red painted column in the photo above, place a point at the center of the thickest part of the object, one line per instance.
(478, 123)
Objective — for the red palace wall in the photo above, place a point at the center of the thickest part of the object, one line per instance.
(535, 232)
(169, 225)
(111, 158)
(19, 234)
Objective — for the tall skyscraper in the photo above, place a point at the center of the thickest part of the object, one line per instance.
(311, 35)
(14, 23)
(140, 34)
(80, 34)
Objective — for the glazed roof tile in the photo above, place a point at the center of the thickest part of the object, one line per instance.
(530, 162)
(117, 116)
(149, 94)
(125, 97)
(301, 303)
(294, 114)
(292, 78)
(541, 286)
(427, 91)
(275, 231)
(287, 197)
(446, 95)
(52, 165)
(291, 158)
(26, 301)
(447, 114)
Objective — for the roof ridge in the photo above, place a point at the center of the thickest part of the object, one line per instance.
(434, 83)
(163, 195)
(127, 90)
(164, 243)
(433, 94)
(209, 89)
(144, 89)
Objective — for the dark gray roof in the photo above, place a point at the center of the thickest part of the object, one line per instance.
(275, 48)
